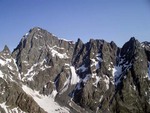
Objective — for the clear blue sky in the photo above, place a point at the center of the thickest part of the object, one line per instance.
(116, 20)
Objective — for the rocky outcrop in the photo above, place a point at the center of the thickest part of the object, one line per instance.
(92, 77)
(41, 57)
(133, 83)
(12, 97)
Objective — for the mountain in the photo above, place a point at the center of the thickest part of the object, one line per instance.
(45, 74)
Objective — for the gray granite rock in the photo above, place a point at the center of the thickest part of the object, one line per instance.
(92, 77)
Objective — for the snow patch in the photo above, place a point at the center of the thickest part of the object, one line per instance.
(10, 64)
(8, 60)
(35, 37)
(65, 40)
(98, 57)
(1, 74)
(95, 63)
(109, 68)
(65, 86)
(2, 62)
(32, 72)
(45, 102)
(74, 77)
(53, 94)
(2, 90)
(17, 68)
(58, 47)
(142, 45)
(26, 34)
(84, 80)
(39, 36)
(12, 110)
(106, 80)
(3, 105)
(38, 29)
(7, 63)
(56, 53)
(100, 100)
(116, 72)
(119, 71)
(67, 64)
(25, 62)
(10, 67)
(80, 82)
(97, 80)
(16, 110)
(94, 75)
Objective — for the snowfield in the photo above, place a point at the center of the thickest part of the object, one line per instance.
(45, 102)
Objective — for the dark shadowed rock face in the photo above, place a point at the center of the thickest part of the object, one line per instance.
(92, 77)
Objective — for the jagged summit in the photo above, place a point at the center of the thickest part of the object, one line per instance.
(38, 33)
(132, 39)
(46, 74)
(6, 49)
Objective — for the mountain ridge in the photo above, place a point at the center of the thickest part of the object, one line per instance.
(96, 76)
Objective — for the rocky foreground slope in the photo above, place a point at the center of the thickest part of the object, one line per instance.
(45, 74)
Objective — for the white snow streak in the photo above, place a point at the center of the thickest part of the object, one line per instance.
(35, 37)
(56, 53)
(17, 68)
(32, 72)
(1, 74)
(65, 40)
(8, 109)
(53, 94)
(45, 102)
(4, 62)
(74, 78)
(106, 80)
(97, 80)
(118, 71)
(66, 84)
(95, 63)
(3, 105)
(101, 98)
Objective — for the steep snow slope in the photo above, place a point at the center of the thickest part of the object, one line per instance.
(45, 102)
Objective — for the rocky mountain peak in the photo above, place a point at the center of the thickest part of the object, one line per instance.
(79, 41)
(6, 50)
(146, 43)
(93, 77)
(130, 46)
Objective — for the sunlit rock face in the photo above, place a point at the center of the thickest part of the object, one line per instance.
(46, 74)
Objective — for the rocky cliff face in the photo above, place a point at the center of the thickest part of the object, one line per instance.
(48, 74)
